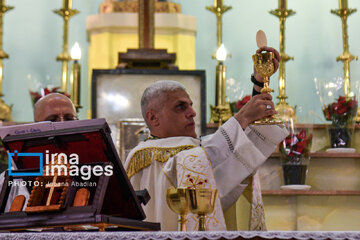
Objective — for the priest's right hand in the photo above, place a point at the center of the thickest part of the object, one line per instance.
(258, 107)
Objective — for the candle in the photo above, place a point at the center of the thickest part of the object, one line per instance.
(343, 4)
(282, 4)
(75, 75)
(75, 83)
(221, 53)
(67, 4)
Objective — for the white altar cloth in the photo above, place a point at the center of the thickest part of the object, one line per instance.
(180, 235)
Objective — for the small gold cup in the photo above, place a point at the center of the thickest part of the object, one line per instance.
(178, 202)
(202, 202)
(264, 66)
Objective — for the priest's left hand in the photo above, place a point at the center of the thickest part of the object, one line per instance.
(276, 61)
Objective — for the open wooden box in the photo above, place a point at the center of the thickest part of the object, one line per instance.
(111, 202)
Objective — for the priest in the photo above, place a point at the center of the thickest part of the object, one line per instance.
(174, 156)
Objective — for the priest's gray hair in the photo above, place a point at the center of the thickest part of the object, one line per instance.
(156, 92)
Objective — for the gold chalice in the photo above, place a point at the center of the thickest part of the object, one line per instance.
(202, 202)
(177, 201)
(264, 66)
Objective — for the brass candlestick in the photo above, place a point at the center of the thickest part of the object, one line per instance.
(66, 13)
(346, 57)
(264, 66)
(5, 110)
(75, 76)
(285, 111)
(221, 112)
(178, 202)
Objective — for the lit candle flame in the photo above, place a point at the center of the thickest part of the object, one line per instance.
(76, 51)
(221, 53)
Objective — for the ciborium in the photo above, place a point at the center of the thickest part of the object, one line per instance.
(178, 202)
(202, 202)
(264, 66)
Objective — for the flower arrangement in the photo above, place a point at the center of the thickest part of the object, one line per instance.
(342, 112)
(294, 150)
(35, 96)
(295, 147)
(236, 106)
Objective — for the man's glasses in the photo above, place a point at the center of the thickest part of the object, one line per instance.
(61, 118)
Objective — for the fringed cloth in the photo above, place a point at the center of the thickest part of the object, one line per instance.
(142, 158)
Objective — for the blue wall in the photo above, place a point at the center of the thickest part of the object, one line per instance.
(313, 37)
(33, 39)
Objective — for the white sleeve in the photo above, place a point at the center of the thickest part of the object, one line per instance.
(235, 154)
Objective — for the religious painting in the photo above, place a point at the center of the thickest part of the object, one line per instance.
(116, 93)
(131, 132)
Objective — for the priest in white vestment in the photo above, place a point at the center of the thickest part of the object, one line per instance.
(173, 156)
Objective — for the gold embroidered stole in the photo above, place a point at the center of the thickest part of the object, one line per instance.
(253, 194)
(194, 171)
(142, 158)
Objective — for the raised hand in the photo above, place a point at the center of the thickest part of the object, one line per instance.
(258, 107)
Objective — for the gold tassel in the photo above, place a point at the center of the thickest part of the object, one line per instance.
(142, 157)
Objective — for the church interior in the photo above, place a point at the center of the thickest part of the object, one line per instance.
(102, 54)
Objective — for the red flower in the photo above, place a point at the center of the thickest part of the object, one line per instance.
(242, 102)
(353, 104)
(341, 112)
(289, 140)
(35, 96)
(302, 135)
(340, 109)
(299, 147)
(295, 145)
(341, 100)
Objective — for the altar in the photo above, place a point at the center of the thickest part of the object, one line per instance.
(181, 235)
(332, 202)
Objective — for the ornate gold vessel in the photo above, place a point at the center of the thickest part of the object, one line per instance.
(178, 202)
(264, 66)
(202, 202)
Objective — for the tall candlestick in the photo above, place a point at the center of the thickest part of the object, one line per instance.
(66, 13)
(285, 111)
(75, 84)
(75, 76)
(221, 111)
(283, 4)
(218, 3)
(67, 4)
(5, 110)
(343, 4)
(346, 57)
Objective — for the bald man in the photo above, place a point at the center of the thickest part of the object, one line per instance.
(54, 107)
